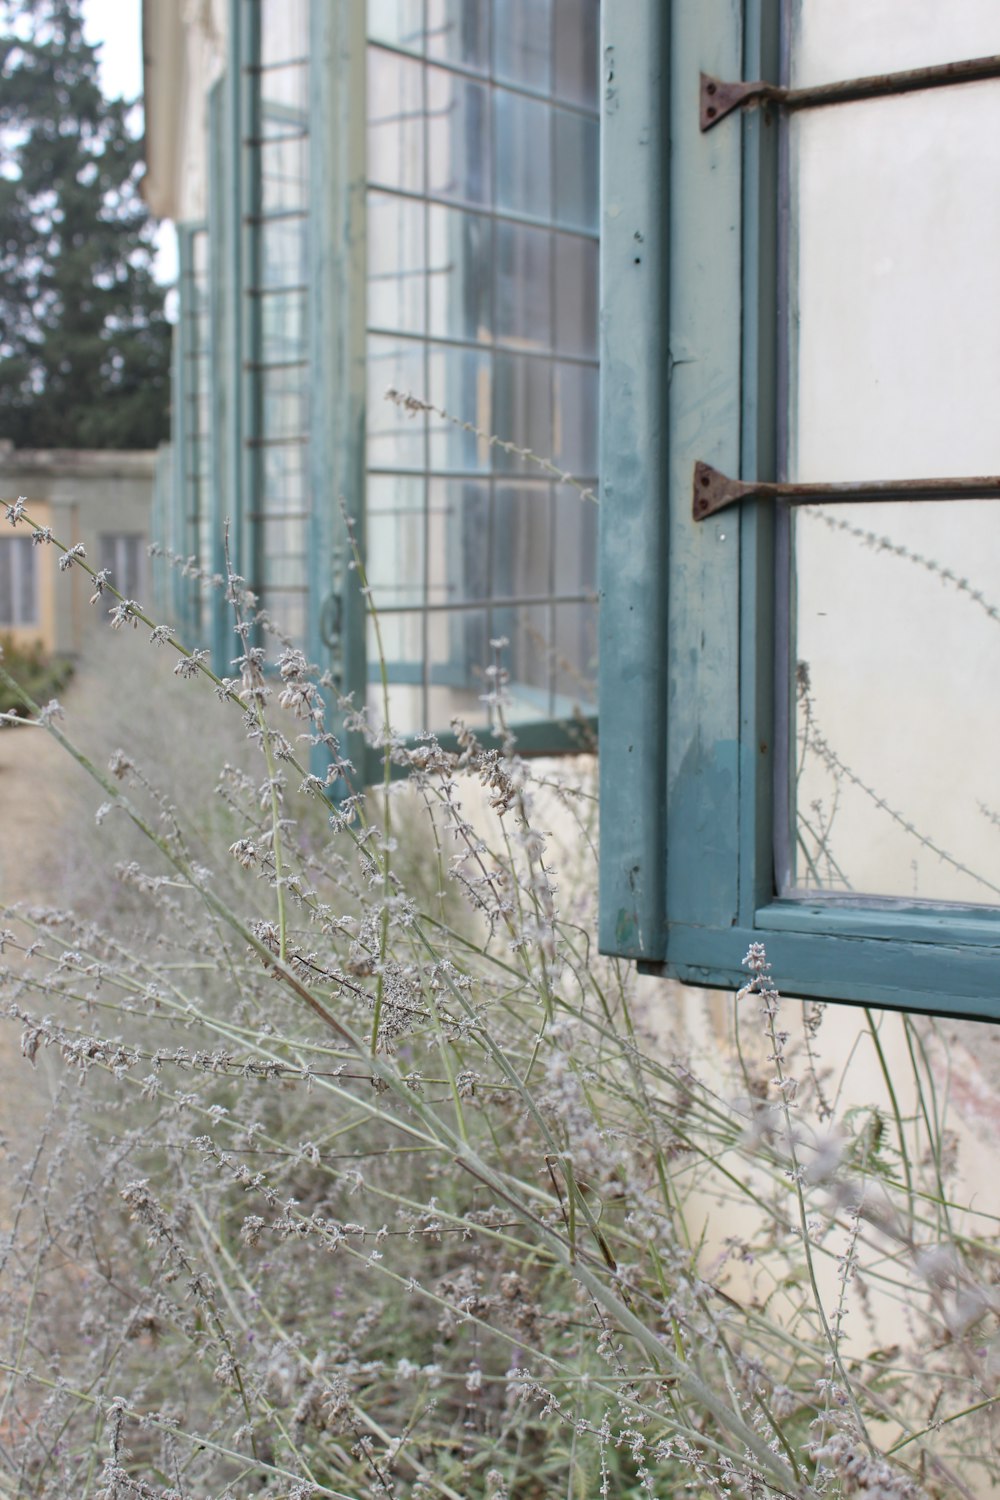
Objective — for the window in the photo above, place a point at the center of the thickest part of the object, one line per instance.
(18, 582)
(797, 715)
(403, 194)
(123, 555)
(194, 427)
(481, 299)
(276, 140)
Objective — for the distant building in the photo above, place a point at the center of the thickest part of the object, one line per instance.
(100, 499)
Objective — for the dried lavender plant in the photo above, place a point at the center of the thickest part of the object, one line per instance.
(365, 1175)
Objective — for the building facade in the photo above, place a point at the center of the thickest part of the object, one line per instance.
(371, 198)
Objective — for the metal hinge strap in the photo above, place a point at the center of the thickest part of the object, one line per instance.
(719, 99)
(713, 491)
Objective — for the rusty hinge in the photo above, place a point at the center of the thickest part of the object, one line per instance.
(713, 491)
(719, 98)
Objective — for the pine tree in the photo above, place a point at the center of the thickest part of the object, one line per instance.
(84, 343)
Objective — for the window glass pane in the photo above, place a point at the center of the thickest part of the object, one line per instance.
(894, 374)
(459, 277)
(458, 145)
(283, 159)
(897, 645)
(286, 609)
(459, 383)
(282, 315)
(575, 520)
(577, 30)
(400, 23)
(403, 643)
(896, 312)
(282, 400)
(460, 541)
(522, 549)
(524, 160)
(576, 147)
(458, 32)
(284, 542)
(523, 281)
(485, 297)
(283, 251)
(395, 121)
(396, 438)
(395, 541)
(575, 302)
(575, 419)
(522, 43)
(458, 656)
(522, 404)
(282, 468)
(284, 31)
(397, 263)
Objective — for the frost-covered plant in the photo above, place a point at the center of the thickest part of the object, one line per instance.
(367, 1176)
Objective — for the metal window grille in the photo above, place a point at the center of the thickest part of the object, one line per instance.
(482, 299)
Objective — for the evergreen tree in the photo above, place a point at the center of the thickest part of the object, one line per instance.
(84, 343)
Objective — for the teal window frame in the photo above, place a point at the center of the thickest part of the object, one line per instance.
(192, 426)
(689, 637)
(20, 602)
(337, 278)
(336, 623)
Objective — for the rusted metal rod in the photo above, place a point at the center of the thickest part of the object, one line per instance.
(719, 99)
(713, 490)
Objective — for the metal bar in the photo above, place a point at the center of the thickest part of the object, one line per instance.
(714, 491)
(467, 606)
(719, 98)
(483, 211)
(276, 140)
(254, 68)
(274, 215)
(498, 346)
(508, 86)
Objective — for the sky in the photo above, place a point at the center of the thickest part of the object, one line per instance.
(117, 26)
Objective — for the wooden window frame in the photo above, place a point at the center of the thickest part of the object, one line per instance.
(690, 644)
